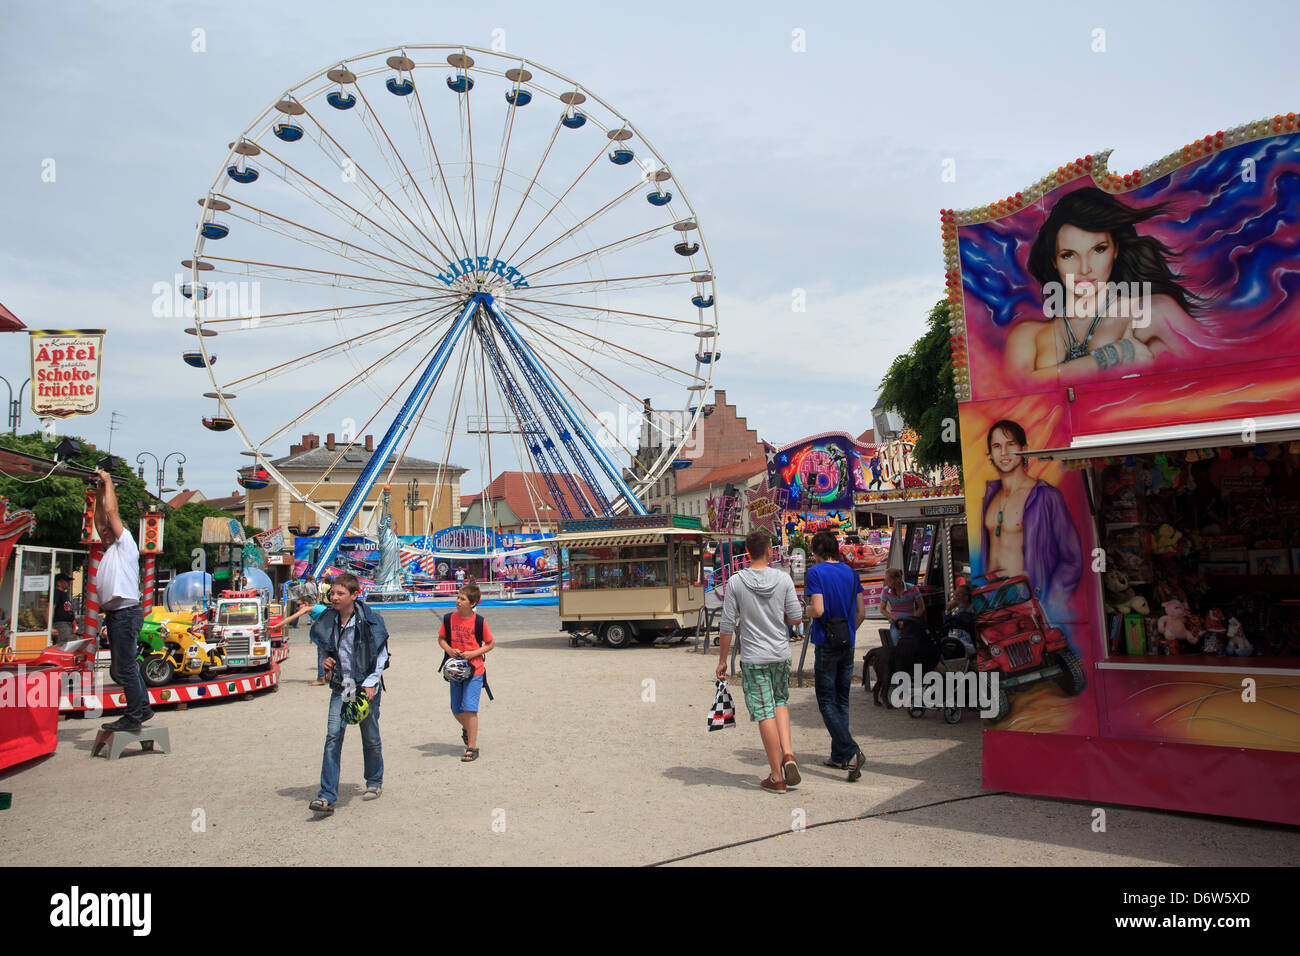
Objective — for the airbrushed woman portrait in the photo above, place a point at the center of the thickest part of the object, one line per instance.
(1112, 303)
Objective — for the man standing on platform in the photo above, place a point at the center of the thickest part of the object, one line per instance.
(118, 583)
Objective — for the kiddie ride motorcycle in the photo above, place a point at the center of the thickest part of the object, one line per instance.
(1015, 639)
(170, 652)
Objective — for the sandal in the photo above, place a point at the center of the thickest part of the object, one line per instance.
(372, 793)
(320, 806)
(835, 764)
(471, 754)
(317, 683)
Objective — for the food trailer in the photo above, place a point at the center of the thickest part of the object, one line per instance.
(1125, 354)
(630, 579)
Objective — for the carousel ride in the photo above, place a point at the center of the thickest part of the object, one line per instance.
(470, 251)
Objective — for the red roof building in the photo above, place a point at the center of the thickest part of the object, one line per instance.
(520, 503)
(185, 497)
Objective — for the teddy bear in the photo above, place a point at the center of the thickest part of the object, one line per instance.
(1166, 540)
(1237, 646)
(1119, 596)
(1173, 626)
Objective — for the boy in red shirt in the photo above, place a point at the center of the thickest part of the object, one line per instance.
(463, 643)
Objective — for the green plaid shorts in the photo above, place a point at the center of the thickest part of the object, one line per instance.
(767, 687)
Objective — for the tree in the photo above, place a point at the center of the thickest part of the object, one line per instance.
(59, 502)
(919, 386)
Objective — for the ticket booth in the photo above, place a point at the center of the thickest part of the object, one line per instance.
(27, 595)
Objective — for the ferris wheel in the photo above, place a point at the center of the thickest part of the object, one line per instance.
(468, 251)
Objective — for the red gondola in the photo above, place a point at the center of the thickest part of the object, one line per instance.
(218, 424)
(259, 479)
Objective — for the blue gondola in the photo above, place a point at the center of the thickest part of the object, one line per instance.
(460, 83)
(340, 100)
(289, 132)
(701, 302)
(706, 358)
(659, 198)
(218, 424)
(195, 360)
(190, 290)
(400, 87)
(215, 230)
(256, 481)
(680, 463)
(519, 97)
(684, 248)
(298, 531)
(246, 175)
(574, 119)
(621, 157)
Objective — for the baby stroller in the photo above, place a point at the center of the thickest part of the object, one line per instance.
(952, 652)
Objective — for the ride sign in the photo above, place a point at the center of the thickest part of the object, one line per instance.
(65, 371)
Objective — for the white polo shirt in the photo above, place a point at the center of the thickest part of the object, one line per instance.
(118, 580)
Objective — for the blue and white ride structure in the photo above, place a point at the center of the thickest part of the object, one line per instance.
(471, 253)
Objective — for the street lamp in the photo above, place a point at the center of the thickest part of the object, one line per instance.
(412, 500)
(15, 404)
(162, 467)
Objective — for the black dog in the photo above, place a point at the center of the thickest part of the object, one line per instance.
(879, 660)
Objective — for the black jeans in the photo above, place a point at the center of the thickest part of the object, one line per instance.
(123, 637)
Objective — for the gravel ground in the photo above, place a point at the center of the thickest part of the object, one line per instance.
(589, 755)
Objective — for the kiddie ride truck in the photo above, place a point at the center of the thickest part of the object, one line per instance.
(1015, 639)
(168, 650)
(240, 623)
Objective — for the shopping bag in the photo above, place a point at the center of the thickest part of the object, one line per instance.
(723, 712)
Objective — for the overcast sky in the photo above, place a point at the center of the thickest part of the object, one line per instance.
(812, 139)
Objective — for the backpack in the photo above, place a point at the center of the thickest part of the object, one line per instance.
(478, 636)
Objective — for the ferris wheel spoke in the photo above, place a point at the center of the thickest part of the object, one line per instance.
(605, 284)
(442, 175)
(371, 336)
(608, 311)
(523, 200)
(502, 155)
(632, 352)
(580, 258)
(320, 272)
(327, 311)
(586, 169)
(324, 235)
(473, 191)
(409, 177)
(583, 223)
(343, 202)
(356, 379)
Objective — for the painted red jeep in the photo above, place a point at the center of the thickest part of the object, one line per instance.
(1015, 639)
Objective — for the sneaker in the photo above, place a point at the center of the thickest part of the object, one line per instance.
(855, 767)
(123, 725)
(791, 771)
(772, 786)
(148, 716)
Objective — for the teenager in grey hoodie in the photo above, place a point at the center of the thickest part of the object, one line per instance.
(760, 602)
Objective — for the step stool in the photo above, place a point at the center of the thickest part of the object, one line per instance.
(116, 740)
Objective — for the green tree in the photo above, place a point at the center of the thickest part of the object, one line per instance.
(919, 386)
(59, 502)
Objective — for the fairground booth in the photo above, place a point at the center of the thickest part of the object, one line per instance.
(1127, 354)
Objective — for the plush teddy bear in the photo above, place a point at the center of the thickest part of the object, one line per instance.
(1238, 646)
(1119, 596)
(1166, 540)
(1173, 626)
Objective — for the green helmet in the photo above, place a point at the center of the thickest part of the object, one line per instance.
(358, 709)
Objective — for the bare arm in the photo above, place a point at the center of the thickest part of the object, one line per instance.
(106, 503)
(859, 612)
(724, 645)
(816, 605)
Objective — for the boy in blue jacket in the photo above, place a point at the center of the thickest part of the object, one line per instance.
(355, 639)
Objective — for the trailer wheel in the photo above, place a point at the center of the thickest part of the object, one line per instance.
(617, 634)
(1004, 705)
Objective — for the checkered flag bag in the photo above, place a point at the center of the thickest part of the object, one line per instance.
(723, 713)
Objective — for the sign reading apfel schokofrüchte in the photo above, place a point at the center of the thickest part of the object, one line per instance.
(65, 371)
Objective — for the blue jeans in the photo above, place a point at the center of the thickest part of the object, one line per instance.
(832, 678)
(321, 654)
(371, 747)
(123, 638)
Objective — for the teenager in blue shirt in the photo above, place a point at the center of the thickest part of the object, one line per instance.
(832, 590)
